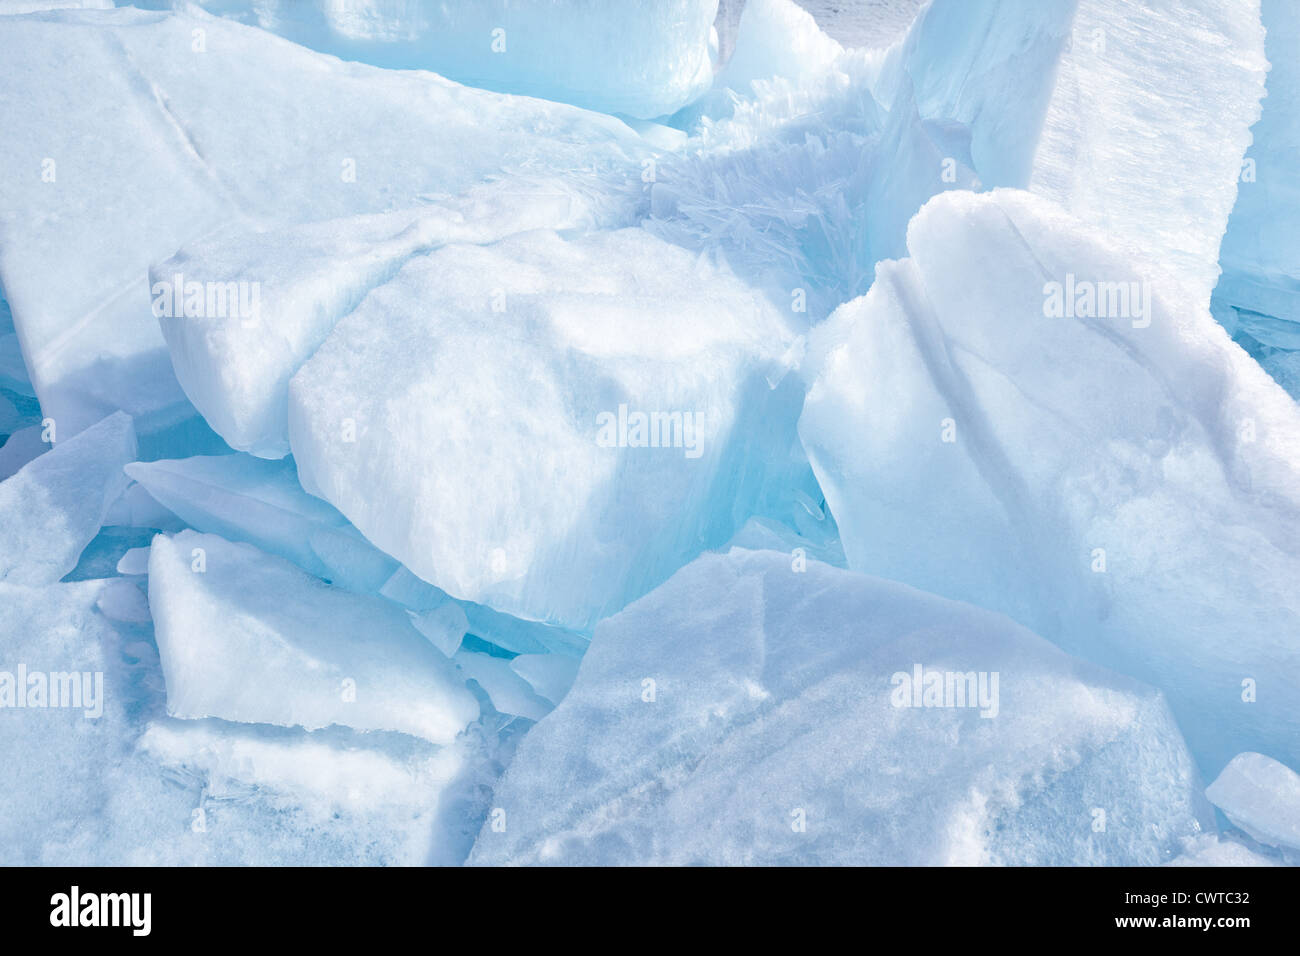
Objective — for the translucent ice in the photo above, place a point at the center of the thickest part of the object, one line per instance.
(1134, 116)
(243, 498)
(551, 675)
(1259, 291)
(1112, 472)
(509, 692)
(56, 503)
(248, 637)
(744, 713)
(1262, 797)
(550, 427)
(640, 57)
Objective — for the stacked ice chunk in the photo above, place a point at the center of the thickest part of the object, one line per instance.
(550, 426)
(311, 139)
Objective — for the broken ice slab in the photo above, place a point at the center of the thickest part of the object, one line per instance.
(1134, 116)
(54, 505)
(509, 692)
(744, 713)
(251, 499)
(64, 695)
(1016, 417)
(275, 796)
(551, 675)
(1262, 797)
(550, 427)
(242, 311)
(247, 636)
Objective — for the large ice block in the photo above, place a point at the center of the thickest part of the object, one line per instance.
(746, 713)
(1134, 116)
(551, 427)
(1017, 417)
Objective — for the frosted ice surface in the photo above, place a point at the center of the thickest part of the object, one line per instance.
(54, 644)
(15, 7)
(173, 163)
(293, 284)
(54, 505)
(644, 58)
(864, 23)
(1126, 482)
(1262, 797)
(550, 427)
(1134, 116)
(246, 636)
(279, 797)
(743, 713)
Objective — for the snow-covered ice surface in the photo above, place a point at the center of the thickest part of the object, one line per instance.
(741, 698)
(649, 431)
